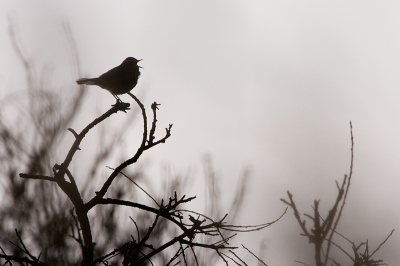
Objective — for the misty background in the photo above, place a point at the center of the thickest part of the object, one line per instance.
(267, 85)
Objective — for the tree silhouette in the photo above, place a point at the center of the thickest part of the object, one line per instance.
(49, 218)
(324, 229)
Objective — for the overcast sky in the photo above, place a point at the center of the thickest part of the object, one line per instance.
(271, 84)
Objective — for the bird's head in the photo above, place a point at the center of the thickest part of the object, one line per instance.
(131, 61)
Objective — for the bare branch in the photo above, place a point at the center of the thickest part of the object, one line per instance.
(384, 241)
(341, 193)
(260, 260)
(40, 177)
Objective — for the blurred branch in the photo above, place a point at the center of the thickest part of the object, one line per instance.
(342, 190)
(325, 231)
(13, 33)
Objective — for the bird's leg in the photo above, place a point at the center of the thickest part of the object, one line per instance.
(119, 101)
(116, 97)
(121, 104)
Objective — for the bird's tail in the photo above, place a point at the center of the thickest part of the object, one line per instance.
(86, 81)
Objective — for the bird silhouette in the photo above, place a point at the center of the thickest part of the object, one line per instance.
(119, 80)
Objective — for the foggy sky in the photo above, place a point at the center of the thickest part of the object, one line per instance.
(269, 84)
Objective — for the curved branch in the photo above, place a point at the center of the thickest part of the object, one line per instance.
(166, 215)
(80, 136)
(100, 194)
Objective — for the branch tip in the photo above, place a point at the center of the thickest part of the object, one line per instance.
(73, 132)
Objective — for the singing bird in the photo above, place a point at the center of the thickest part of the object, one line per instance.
(119, 80)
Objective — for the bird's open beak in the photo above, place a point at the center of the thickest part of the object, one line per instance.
(138, 62)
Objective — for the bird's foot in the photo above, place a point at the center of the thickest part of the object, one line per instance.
(120, 105)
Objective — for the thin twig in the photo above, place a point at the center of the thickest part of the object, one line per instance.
(238, 257)
(39, 177)
(142, 189)
(137, 228)
(260, 260)
(384, 241)
(345, 195)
